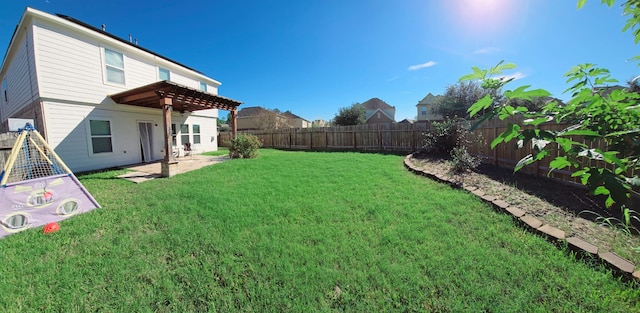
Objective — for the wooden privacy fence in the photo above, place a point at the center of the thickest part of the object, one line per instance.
(409, 138)
(508, 154)
(368, 137)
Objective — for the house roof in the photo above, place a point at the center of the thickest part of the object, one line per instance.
(375, 103)
(291, 115)
(429, 99)
(252, 111)
(183, 98)
(373, 115)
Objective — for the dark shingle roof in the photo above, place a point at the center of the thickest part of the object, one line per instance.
(252, 111)
(375, 103)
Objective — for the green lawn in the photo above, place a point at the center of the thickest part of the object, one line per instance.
(281, 232)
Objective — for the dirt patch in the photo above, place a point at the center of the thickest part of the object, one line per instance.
(565, 206)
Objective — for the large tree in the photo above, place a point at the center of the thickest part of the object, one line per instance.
(353, 115)
(458, 98)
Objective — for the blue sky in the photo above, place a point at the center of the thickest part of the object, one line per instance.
(315, 56)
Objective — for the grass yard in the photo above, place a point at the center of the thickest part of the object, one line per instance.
(296, 232)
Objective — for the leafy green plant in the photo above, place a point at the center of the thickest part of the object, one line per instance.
(624, 225)
(462, 161)
(442, 138)
(245, 146)
(594, 113)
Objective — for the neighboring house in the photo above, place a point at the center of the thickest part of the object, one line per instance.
(378, 111)
(296, 121)
(406, 121)
(426, 106)
(101, 101)
(253, 118)
(320, 123)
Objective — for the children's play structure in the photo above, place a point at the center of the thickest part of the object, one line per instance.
(36, 187)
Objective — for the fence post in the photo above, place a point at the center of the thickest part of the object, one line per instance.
(355, 140)
(290, 138)
(311, 140)
(495, 151)
(380, 136)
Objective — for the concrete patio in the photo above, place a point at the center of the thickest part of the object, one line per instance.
(144, 172)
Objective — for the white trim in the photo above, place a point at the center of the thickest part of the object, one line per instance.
(103, 51)
(90, 137)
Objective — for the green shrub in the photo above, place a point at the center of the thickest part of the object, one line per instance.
(245, 146)
(442, 138)
(462, 161)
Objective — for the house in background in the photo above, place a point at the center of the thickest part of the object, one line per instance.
(425, 108)
(320, 123)
(254, 118)
(378, 111)
(296, 121)
(102, 101)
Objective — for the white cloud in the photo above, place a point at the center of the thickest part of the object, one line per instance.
(486, 50)
(421, 66)
(515, 76)
(393, 78)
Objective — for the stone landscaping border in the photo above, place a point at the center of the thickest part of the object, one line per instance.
(618, 264)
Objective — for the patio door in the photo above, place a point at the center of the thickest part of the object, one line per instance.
(146, 151)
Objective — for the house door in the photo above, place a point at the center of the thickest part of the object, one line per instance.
(145, 141)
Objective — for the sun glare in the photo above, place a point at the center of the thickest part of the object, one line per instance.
(481, 16)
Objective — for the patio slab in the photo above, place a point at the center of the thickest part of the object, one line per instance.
(144, 172)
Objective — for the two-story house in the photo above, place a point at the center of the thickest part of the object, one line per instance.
(378, 111)
(102, 101)
(426, 106)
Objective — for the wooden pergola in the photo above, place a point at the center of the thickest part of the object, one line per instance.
(169, 96)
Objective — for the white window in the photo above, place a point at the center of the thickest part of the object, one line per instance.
(164, 74)
(4, 90)
(423, 111)
(184, 133)
(196, 134)
(173, 135)
(203, 86)
(100, 136)
(114, 66)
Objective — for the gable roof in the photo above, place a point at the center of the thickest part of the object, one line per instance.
(375, 103)
(373, 115)
(252, 111)
(288, 114)
(429, 99)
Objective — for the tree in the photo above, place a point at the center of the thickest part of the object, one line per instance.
(271, 119)
(353, 115)
(594, 113)
(458, 98)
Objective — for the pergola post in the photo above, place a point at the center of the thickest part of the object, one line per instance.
(169, 164)
(234, 123)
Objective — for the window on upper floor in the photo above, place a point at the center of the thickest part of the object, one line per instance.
(114, 66)
(100, 136)
(423, 111)
(164, 74)
(203, 86)
(196, 134)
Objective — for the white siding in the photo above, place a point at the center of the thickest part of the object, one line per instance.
(70, 66)
(68, 134)
(19, 71)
